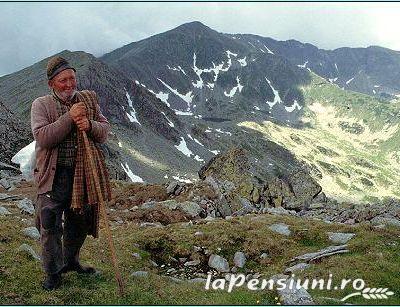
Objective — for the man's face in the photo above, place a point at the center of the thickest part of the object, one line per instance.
(64, 84)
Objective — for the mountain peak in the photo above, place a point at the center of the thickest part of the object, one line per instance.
(196, 26)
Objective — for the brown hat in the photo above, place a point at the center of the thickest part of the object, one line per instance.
(56, 65)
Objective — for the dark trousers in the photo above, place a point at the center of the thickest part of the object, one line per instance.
(61, 239)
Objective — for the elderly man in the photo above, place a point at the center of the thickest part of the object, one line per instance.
(66, 204)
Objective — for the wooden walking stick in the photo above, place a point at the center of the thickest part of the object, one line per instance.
(103, 212)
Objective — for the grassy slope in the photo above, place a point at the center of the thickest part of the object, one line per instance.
(351, 140)
(374, 257)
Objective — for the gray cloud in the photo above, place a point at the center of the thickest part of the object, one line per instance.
(33, 31)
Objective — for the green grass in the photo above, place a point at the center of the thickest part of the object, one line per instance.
(343, 129)
(374, 256)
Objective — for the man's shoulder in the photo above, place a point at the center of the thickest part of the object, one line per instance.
(42, 100)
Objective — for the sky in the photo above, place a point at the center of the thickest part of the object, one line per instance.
(33, 31)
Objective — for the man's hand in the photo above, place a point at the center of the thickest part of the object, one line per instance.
(77, 111)
(83, 124)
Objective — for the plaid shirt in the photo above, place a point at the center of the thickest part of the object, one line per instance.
(68, 147)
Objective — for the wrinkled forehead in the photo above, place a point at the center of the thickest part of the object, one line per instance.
(65, 74)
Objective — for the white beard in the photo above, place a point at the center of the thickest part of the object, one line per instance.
(65, 95)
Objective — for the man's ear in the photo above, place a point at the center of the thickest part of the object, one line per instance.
(50, 83)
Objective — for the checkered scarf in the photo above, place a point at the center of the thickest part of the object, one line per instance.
(83, 179)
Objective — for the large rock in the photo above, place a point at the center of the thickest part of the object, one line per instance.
(280, 228)
(277, 211)
(297, 268)
(4, 211)
(304, 189)
(230, 172)
(239, 259)
(219, 263)
(191, 208)
(4, 196)
(5, 183)
(233, 166)
(5, 166)
(223, 207)
(295, 296)
(172, 187)
(26, 206)
(325, 252)
(386, 221)
(340, 237)
(15, 134)
(243, 205)
(291, 188)
(192, 263)
(32, 233)
(28, 250)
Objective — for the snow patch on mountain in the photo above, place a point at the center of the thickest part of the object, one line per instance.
(199, 83)
(336, 68)
(223, 132)
(168, 120)
(182, 147)
(137, 82)
(348, 81)
(177, 69)
(187, 97)
(181, 179)
(277, 98)
(131, 175)
(268, 50)
(160, 95)
(194, 139)
(303, 65)
(26, 159)
(132, 113)
(293, 107)
(229, 53)
(242, 62)
(197, 158)
(183, 113)
(163, 97)
(216, 69)
(233, 90)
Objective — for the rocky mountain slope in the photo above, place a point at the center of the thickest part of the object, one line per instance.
(373, 70)
(179, 98)
(199, 71)
(14, 134)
